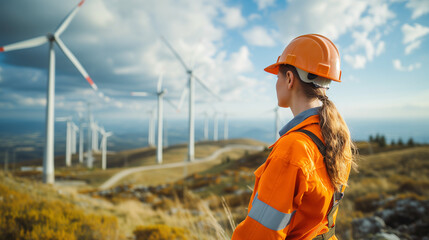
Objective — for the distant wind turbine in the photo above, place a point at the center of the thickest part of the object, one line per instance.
(48, 159)
(74, 130)
(151, 132)
(95, 130)
(89, 157)
(206, 126)
(81, 140)
(215, 126)
(160, 92)
(191, 89)
(225, 127)
(68, 121)
(103, 146)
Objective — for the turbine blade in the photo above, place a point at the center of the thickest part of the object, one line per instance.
(159, 87)
(207, 88)
(175, 53)
(182, 98)
(75, 62)
(141, 94)
(65, 23)
(34, 42)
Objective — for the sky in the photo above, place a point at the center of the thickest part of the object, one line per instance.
(383, 44)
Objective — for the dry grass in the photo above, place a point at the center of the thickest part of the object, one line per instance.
(161, 176)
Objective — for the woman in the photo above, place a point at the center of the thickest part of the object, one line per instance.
(298, 188)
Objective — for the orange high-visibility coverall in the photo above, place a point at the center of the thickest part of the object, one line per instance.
(292, 193)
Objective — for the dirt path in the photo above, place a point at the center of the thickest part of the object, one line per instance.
(118, 176)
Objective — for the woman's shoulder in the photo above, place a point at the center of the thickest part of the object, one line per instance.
(295, 148)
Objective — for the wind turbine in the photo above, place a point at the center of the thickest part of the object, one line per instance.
(89, 157)
(68, 120)
(48, 159)
(74, 130)
(81, 139)
(103, 146)
(95, 130)
(151, 132)
(225, 127)
(191, 89)
(206, 126)
(215, 126)
(160, 92)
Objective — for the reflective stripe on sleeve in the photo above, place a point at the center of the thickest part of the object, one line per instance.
(268, 216)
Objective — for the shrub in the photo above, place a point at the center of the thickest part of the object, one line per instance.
(23, 217)
(159, 232)
(367, 203)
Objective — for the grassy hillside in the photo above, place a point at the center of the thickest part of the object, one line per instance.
(213, 198)
(138, 157)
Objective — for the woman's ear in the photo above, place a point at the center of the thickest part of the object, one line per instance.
(290, 78)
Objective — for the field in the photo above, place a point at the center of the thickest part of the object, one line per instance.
(213, 198)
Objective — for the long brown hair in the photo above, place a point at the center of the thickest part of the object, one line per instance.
(340, 149)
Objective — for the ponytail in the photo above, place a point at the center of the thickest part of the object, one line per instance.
(340, 149)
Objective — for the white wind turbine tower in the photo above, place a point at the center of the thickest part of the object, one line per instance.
(74, 130)
(151, 132)
(160, 92)
(215, 126)
(48, 159)
(95, 130)
(69, 140)
(89, 157)
(103, 146)
(206, 126)
(191, 89)
(225, 127)
(81, 139)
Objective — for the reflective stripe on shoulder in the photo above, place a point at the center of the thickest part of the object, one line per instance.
(268, 216)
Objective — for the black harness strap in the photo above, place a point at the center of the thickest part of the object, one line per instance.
(337, 195)
(316, 140)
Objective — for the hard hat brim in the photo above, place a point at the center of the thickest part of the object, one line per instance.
(273, 68)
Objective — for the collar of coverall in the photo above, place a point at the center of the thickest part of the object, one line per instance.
(299, 119)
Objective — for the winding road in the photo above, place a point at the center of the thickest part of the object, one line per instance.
(118, 176)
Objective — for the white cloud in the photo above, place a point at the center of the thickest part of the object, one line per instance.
(413, 36)
(29, 101)
(262, 4)
(259, 36)
(240, 60)
(418, 7)
(103, 18)
(254, 16)
(380, 48)
(357, 61)
(413, 33)
(232, 17)
(410, 47)
(398, 66)
(364, 20)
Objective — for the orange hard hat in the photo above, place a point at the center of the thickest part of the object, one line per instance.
(312, 53)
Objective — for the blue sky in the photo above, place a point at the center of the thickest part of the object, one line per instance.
(384, 47)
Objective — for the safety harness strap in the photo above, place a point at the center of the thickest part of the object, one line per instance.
(337, 195)
(316, 140)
